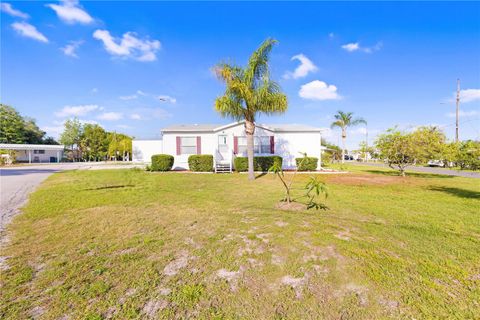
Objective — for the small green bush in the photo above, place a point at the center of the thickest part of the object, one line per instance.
(200, 162)
(259, 163)
(307, 163)
(161, 162)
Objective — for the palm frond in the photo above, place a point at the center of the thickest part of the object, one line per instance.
(358, 121)
(257, 68)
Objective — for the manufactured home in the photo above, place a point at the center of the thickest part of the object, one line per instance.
(225, 142)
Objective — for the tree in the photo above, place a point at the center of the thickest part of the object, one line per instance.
(33, 134)
(119, 145)
(12, 129)
(402, 149)
(94, 142)
(72, 134)
(249, 92)
(343, 121)
(397, 149)
(50, 140)
(468, 156)
(365, 150)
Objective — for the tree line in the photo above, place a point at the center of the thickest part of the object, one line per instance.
(83, 142)
(18, 129)
(90, 142)
(400, 149)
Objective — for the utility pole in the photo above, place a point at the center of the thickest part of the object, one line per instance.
(458, 105)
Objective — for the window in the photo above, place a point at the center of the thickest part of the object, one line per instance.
(188, 145)
(260, 145)
(38, 151)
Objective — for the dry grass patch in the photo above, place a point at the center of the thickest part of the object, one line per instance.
(215, 247)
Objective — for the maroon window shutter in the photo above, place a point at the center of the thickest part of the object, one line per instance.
(199, 145)
(272, 144)
(235, 145)
(178, 146)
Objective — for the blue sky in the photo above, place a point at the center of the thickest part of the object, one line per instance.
(135, 67)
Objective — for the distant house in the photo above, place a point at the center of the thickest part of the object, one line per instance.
(35, 153)
(225, 142)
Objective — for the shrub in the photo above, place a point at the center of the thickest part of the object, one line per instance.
(307, 163)
(326, 158)
(162, 162)
(259, 163)
(200, 163)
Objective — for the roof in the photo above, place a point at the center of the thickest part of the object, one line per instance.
(14, 146)
(192, 127)
(218, 127)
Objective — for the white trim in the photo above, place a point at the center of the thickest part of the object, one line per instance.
(11, 146)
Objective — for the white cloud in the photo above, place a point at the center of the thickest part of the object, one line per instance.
(462, 113)
(71, 48)
(131, 97)
(124, 126)
(7, 8)
(355, 46)
(29, 31)
(166, 98)
(135, 116)
(140, 92)
(70, 12)
(306, 66)
(110, 116)
(83, 121)
(76, 111)
(129, 46)
(53, 131)
(351, 46)
(319, 90)
(469, 95)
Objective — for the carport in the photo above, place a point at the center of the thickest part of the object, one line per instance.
(36, 153)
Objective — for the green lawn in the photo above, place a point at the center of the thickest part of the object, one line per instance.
(129, 244)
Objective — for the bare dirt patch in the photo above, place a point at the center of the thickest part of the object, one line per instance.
(292, 206)
(177, 264)
(231, 277)
(296, 284)
(151, 308)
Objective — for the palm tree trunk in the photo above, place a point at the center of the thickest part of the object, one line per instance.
(344, 137)
(249, 131)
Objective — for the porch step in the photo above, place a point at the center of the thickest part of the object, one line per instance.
(222, 168)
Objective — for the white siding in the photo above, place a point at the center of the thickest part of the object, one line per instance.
(143, 150)
(289, 145)
(48, 156)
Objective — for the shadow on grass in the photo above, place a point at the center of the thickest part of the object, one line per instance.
(409, 174)
(462, 193)
(112, 187)
(260, 175)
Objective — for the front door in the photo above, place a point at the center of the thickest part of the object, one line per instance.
(223, 146)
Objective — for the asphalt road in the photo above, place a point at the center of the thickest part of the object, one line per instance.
(17, 182)
(432, 170)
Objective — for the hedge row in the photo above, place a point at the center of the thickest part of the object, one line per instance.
(307, 163)
(259, 163)
(161, 162)
(201, 163)
(204, 163)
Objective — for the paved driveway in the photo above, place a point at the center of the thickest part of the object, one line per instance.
(17, 182)
(434, 170)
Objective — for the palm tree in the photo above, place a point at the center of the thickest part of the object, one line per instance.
(249, 91)
(343, 121)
